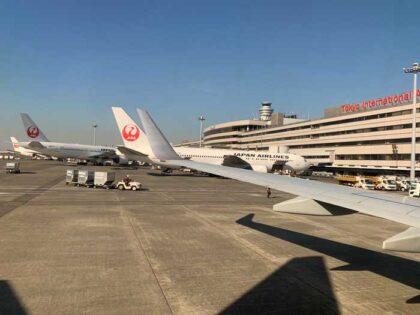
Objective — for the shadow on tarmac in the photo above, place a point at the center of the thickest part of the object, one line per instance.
(177, 174)
(9, 302)
(402, 270)
(289, 290)
(9, 206)
(414, 300)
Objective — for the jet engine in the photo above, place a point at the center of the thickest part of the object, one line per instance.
(120, 160)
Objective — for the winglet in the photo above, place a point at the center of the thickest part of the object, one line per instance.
(160, 147)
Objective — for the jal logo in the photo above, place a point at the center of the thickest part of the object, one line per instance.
(16, 145)
(131, 132)
(32, 132)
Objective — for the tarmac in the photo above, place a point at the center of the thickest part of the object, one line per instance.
(188, 245)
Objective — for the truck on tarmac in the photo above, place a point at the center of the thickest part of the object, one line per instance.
(384, 183)
(403, 184)
(356, 181)
(414, 190)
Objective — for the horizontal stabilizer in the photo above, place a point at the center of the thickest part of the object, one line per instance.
(36, 145)
(301, 205)
(407, 241)
(128, 151)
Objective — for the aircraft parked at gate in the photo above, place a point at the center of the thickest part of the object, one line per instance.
(23, 151)
(314, 198)
(135, 141)
(42, 145)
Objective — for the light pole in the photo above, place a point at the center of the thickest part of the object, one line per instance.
(201, 119)
(414, 70)
(94, 133)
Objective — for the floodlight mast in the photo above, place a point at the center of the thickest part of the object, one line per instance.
(414, 70)
(201, 119)
(94, 133)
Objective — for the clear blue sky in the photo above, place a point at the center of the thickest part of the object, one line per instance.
(67, 62)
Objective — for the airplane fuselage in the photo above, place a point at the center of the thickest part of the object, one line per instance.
(23, 151)
(68, 150)
(261, 161)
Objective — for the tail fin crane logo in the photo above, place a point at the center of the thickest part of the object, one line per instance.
(131, 132)
(32, 132)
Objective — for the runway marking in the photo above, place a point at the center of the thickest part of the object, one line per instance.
(125, 216)
(24, 198)
(275, 260)
(18, 194)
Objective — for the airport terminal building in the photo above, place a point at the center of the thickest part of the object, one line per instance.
(372, 135)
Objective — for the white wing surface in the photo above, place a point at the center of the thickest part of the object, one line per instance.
(314, 197)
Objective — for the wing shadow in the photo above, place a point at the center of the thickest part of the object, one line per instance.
(9, 302)
(402, 270)
(292, 289)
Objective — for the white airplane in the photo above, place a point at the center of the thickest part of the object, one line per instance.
(135, 141)
(21, 150)
(313, 197)
(40, 144)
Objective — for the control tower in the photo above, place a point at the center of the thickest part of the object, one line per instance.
(265, 111)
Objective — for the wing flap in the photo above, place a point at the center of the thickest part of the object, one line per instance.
(301, 205)
(407, 241)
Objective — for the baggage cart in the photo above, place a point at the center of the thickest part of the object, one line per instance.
(103, 179)
(85, 178)
(13, 167)
(72, 177)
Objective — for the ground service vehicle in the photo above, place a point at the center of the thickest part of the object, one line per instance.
(383, 183)
(414, 190)
(124, 185)
(356, 181)
(13, 167)
(403, 184)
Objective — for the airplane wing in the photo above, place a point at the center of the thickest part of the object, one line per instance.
(131, 152)
(234, 161)
(316, 198)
